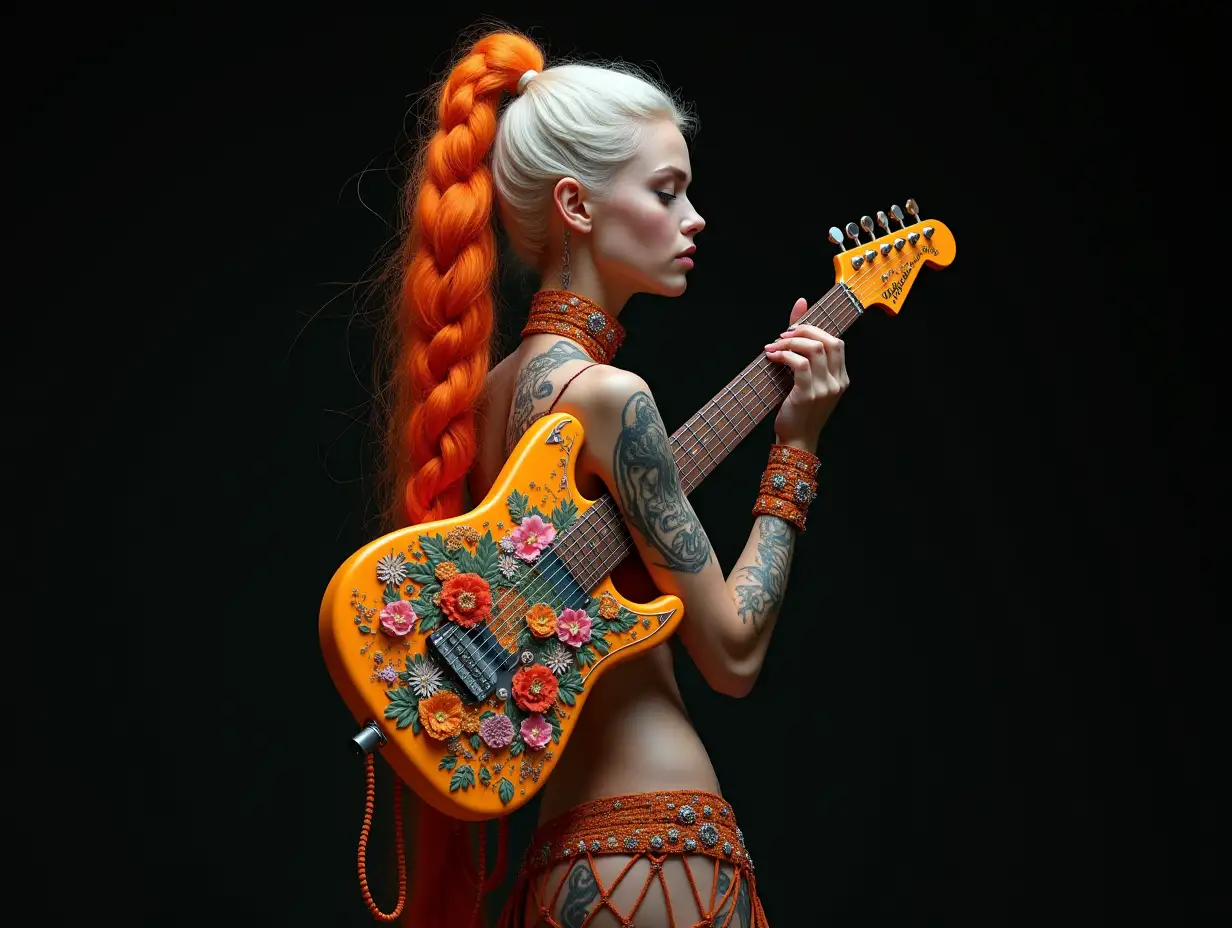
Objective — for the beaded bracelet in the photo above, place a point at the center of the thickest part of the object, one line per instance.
(788, 484)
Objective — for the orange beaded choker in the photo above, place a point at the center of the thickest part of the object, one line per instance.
(561, 312)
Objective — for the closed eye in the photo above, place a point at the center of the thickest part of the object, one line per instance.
(665, 196)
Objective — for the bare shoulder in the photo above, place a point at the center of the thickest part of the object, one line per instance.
(604, 389)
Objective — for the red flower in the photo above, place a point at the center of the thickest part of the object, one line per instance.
(467, 599)
(534, 688)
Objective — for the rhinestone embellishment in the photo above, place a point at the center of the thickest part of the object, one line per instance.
(727, 849)
(778, 481)
(595, 846)
(740, 837)
(690, 845)
(673, 835)
(707, 811)
(709, 835)
(686, 815)
(656, 842)
(595, 323)
(723, 811)
(803, 493)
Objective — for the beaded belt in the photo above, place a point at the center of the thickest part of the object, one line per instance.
(657, 824)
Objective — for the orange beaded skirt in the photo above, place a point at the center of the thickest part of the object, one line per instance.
(675, 859)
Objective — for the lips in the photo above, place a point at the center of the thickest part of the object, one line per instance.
(688, 252)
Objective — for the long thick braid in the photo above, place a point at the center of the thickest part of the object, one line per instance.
(448, 281)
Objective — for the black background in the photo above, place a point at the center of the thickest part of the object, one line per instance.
(982, 702)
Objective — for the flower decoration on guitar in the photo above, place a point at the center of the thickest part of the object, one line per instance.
(509, 582)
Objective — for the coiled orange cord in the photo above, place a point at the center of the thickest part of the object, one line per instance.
(363, 845)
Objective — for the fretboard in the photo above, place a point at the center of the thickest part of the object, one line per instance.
(595, 544)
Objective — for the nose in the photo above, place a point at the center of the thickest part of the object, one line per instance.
(693, 224)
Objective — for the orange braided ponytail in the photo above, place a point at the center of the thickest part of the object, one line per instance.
(446, 316)
(441, 342)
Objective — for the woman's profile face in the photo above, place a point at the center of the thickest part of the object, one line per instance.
(644, 222)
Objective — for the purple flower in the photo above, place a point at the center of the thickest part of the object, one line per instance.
(496, 731)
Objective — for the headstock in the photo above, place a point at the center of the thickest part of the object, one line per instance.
(881, 271)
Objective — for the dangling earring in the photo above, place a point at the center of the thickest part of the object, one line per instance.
(564, 269)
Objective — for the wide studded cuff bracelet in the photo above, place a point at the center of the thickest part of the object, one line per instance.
(788, 484)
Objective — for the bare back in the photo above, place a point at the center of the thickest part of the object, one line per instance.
(635, 734)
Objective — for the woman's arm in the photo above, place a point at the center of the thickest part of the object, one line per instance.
(728, 621)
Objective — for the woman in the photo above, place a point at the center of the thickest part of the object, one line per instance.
(590, 171)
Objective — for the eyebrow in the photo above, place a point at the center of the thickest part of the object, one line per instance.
(672, 169)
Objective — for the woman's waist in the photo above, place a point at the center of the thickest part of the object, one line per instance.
(641, 746)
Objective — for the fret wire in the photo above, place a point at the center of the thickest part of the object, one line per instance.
(699, 442)
(735, 428)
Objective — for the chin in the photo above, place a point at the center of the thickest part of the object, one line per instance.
(674, 285)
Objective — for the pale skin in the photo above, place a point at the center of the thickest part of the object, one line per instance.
(635, 734)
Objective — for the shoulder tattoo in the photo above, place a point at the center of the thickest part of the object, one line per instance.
(533, 384)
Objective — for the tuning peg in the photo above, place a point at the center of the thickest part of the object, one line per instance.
(866, 223)
(897, 212)
(836, 236)
(883, 220)
(853, 232)
(914, 209)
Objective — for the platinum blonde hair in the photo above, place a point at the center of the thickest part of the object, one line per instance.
(575, 120)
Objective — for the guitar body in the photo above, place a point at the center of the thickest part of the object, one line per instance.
(435, 630)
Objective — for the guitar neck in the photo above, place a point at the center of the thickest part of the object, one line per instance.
(599, 541)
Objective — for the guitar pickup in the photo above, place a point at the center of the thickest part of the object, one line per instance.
(472, 656)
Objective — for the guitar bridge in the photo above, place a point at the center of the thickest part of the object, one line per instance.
(473, 657)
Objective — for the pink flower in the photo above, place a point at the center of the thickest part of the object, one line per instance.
(536, 731)
(398, 617)
(531, 537)
(573, 627)
(496, 731)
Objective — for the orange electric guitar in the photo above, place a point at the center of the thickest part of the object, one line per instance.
(466, 648)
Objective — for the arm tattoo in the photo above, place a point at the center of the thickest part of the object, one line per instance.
(768, 577)
(581, 891)
(533, 384)
(645, 472)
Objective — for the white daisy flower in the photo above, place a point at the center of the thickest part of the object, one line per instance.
(508, 565)
(558, 660)
(391, 568)
(424, 677)
(507, 545)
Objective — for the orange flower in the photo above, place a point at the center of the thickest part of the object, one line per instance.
(467, 599)
(470, 719)
(445, 570)
(535, 688)
(541, 620)
(608, 607)
(441, 714)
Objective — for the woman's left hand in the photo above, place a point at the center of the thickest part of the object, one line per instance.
(818, 363)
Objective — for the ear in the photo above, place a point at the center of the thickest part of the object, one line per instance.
(570, 200)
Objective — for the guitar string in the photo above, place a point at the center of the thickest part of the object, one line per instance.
(767, 374)
(505, 623)
(510, 617)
